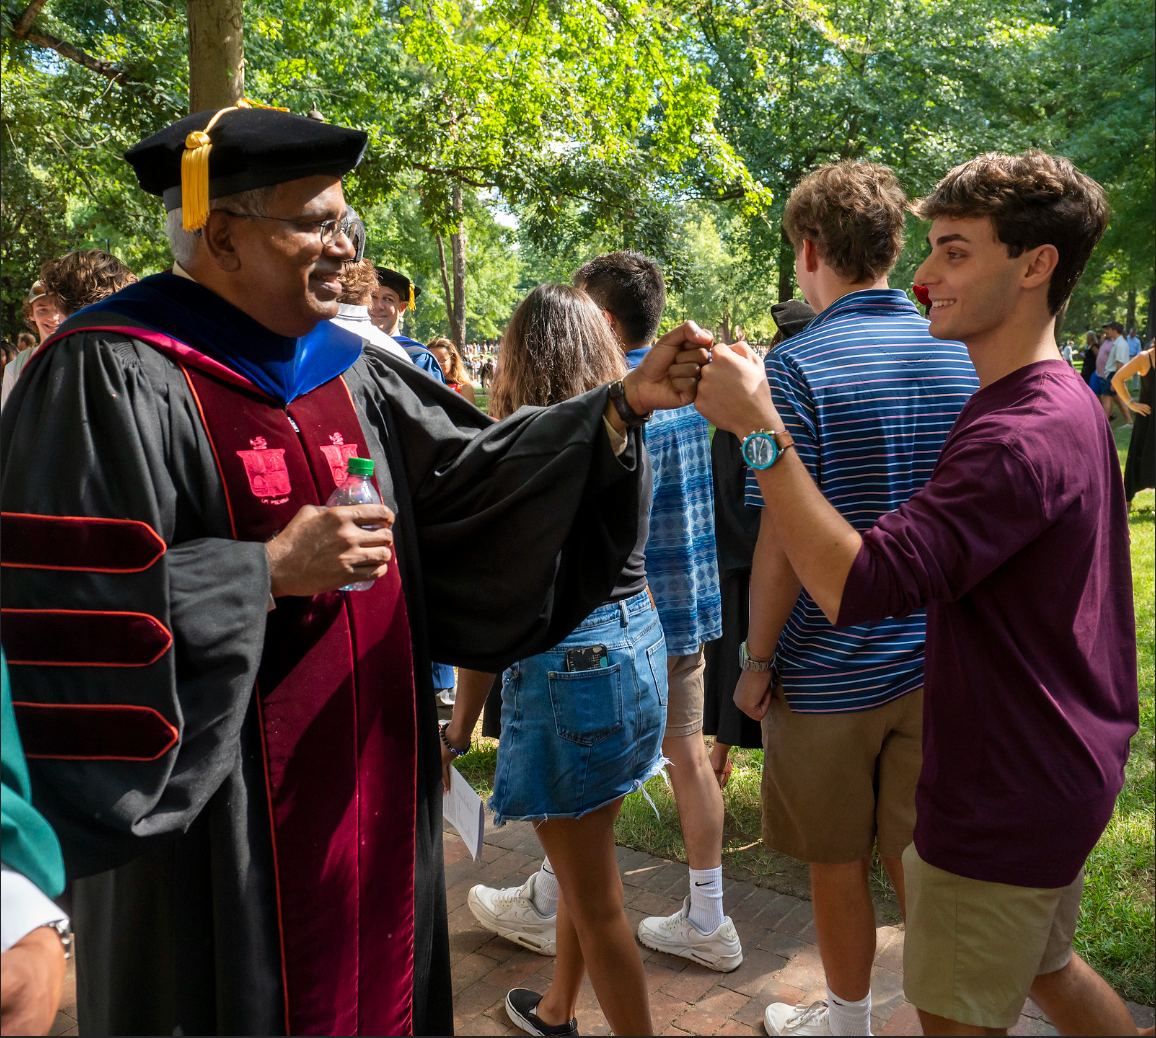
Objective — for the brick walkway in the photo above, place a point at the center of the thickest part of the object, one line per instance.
(780, 959)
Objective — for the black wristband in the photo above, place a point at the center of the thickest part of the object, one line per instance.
(627, 413)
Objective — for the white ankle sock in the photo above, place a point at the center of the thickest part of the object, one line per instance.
(706, 913)
(546, 890)
(849, 1017)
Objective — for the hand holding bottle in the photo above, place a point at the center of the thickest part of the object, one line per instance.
(326, 548)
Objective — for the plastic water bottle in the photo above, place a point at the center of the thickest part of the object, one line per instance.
(358, 489)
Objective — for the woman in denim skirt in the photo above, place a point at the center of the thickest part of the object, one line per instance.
(582, 723)
(576, 740)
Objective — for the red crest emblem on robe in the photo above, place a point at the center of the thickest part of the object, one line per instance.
(337, 452)
(268, 476)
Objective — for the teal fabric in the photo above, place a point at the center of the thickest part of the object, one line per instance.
(27, 843)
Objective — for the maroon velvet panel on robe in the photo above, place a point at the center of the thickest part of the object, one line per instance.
(65, 542)
(83, 638)
(93, 731)
(336, 697)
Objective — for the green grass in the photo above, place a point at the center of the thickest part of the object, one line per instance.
(1116, 916)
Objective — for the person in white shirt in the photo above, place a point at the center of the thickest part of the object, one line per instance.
(360, 279)
(41, 313)
(1119, 353)
(35, 937)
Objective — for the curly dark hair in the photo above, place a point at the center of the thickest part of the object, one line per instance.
(85, 276)
(26, 312)
(1031, 199)
(358, 280)
(855, 213)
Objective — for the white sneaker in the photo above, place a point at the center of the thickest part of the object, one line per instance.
(510, 913)
(677, 935)
(781, 1018)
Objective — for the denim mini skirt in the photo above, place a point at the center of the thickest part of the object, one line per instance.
(574, 740)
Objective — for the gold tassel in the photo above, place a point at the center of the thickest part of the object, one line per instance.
(412, 298)
(248, 102)
(195, 167)
(195, 175)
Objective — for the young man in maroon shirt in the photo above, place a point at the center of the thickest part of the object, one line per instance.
(1018, 548)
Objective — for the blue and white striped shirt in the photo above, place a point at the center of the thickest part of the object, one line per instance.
(869, 397)
(681, 565)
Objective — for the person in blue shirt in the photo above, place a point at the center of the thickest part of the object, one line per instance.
(395, 294)
(868, 397)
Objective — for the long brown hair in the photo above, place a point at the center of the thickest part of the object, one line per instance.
(558, 345)
(458, 371)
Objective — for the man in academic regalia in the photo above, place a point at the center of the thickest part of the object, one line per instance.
(395, 294)
(243, 776)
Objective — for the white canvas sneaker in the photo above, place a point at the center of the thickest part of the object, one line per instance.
(677, 935)
(781, 1018)
(510, 913)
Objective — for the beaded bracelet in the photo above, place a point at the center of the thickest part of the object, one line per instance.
(454, 751)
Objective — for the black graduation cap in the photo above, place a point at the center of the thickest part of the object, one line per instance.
(224, 151)
(792, 316)
(402, 285)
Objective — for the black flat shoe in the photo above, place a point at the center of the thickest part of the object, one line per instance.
(522, 1008)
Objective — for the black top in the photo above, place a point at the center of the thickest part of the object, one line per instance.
(632, 580)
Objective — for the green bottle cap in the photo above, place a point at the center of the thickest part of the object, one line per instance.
(359, 466)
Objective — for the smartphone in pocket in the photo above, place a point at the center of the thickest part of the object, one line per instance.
(589, 657)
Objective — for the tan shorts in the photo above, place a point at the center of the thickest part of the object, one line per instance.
(834, 785)
(684, 701)
(973, 948)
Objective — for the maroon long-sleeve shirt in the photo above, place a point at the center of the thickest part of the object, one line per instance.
(1018, 546)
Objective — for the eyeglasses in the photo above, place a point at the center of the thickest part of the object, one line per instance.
(349, 225)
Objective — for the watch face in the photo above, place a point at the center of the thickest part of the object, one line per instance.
(760, 451)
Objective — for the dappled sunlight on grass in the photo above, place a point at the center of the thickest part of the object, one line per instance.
(1117, 912)
(1116, 916)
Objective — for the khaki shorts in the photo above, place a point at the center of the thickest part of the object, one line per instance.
(973, 948)
(684, 699)
(834, 785)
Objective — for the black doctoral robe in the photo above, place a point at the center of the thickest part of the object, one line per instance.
(520, 529)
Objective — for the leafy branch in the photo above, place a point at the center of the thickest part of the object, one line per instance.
(22, 30)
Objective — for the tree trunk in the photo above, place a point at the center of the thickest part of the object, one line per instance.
(216, 58)
(1149, 324)
(786, 267)
(1130, 320)
(445, 281)
(458, 253)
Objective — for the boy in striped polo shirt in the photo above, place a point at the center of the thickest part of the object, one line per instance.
(869, 397)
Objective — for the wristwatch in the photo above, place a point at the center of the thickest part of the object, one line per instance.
(761, 449)
(627, 413)
(63, 930)
(755, 663)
